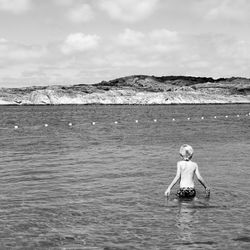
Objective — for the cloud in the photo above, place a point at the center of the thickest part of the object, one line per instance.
(132, 51)
(160, 40)
(131, 38)
(128, 10)
(229, 10)
(64, 2)
(3, 41)
(231, 48)
(140, 51)
(15, 6)
(20, 52)
(218, 55)
(82, 13)
(165, 40)
(79, 42)
(163, 51)
(164, 35)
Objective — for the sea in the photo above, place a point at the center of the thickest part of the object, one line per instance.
(93, 177)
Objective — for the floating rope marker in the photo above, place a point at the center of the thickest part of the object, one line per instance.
(149, 120)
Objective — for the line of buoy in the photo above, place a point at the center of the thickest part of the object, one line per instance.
(70, 124)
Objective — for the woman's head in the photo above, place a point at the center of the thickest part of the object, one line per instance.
(186, 152)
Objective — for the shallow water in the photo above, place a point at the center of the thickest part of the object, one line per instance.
(101, 186)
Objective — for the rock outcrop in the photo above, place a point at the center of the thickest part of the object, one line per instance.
(138, 89)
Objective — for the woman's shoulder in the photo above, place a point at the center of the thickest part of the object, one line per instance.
(193, 163)
(186, 163)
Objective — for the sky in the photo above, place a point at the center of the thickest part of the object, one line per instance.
(47, 42)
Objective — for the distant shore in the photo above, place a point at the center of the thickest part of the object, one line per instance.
(99, 104)
(135, 90)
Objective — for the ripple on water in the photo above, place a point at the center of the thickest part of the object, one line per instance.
(102, 186)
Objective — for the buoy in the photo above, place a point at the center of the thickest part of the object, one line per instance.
(136, 121)
(226, 116)
(115, 122)
(70, 124)
(155, 120)
(46, 125)
(238, 115)
(173, 119)
(16, 127)
(215, 117)
(188, 118)
(202, 118)
(93, 123)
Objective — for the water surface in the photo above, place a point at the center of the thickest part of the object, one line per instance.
(101, 186)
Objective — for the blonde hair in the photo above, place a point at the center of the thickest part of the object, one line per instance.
(186, 151)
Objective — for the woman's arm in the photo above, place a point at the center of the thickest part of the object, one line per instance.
(201, 180)
(176, 178)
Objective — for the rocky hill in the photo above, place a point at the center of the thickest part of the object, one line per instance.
(138, 89)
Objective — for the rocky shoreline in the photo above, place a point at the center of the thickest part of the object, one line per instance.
(134, 90)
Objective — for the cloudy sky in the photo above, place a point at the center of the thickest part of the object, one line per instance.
(86, 41)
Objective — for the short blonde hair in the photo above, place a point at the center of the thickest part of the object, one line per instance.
(186, 151)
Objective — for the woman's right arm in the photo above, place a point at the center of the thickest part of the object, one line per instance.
(201, 180)
(176, 178)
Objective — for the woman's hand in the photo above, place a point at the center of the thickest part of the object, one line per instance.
(167, 192)
(207, 189)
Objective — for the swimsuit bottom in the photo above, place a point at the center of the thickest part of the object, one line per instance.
(186, 193)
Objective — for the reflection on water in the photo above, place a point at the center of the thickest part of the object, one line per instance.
(187, 220)
(193, 219)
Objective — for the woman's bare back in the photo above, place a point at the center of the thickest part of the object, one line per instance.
(187, 171)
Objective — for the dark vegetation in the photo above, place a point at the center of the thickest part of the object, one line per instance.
(145, 83)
